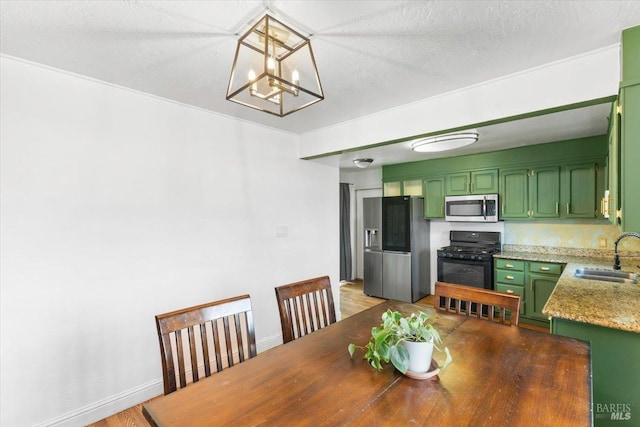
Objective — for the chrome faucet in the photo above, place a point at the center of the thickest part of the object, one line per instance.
(616, 257)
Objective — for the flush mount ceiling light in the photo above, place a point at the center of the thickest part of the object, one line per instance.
(444, 142)
(362, 163)
(274, 69)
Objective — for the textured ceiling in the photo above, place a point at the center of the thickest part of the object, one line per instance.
(371, 55)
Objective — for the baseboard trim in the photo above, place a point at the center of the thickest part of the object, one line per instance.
(104, 408)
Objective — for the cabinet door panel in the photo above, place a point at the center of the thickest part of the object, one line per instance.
(412, 187)
(613, 163)
(545, 192)
(540, 286)
(484, 182)
(579, 191)
(434, 197)
(392, 188)
(457, 184)
(514, 191)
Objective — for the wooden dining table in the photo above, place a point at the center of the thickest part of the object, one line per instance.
(500, 375)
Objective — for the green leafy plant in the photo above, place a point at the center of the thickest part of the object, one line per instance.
(384, 345)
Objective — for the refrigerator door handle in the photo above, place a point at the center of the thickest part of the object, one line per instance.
(397, 252)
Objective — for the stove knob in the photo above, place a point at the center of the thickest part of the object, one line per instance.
(450, 255)
(461, 256)
(472, 257)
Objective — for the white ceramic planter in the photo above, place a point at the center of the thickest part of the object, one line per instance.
(419, 355)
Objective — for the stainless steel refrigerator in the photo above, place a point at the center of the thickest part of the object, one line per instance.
(396, 248)
(372, 221)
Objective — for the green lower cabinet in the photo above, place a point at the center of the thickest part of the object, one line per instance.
(533, 281)
(516, 290)
(509, 277)
(615, 359)
(541, 287)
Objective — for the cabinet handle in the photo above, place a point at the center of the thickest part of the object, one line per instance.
(508, 266)
(509, 291)
(557, 209)
(509, 277)
(544, 268)
(567, 208)
(502, 208)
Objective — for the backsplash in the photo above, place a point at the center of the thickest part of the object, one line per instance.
(562, 235)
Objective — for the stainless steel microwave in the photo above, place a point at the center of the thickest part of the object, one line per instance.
(471, 208)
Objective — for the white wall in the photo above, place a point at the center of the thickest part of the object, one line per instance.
(117, 206)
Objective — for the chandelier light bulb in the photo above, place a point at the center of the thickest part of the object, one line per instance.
(252, 76)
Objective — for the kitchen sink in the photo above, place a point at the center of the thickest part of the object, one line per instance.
(606, 275)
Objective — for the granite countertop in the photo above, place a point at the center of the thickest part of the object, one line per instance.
(596, 302)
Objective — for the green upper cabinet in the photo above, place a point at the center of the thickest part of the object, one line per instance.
(611, 204)
(392, 188)
(434, 196)
(484, 181)
(458, 184)
(549, 192)
(412, 187)
(579, 191)
(534, 182)
(630, 131)
(514, 193)
(544, 192)
(473, 182)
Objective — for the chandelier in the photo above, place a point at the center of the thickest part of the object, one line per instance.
(274, 69)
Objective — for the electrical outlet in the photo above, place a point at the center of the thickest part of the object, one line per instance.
(602, 242)
(282, 231)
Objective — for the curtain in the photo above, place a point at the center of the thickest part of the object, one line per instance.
(345, 233)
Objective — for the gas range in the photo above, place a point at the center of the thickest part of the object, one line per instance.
(468, 260)
(465, 252)
(471, 245)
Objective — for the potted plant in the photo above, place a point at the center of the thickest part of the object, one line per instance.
(394, 341)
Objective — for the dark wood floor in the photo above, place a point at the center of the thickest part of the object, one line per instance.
(352, 301)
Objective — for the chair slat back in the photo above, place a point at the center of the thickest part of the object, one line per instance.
(305, 307)
(188, 337)
(481, 303)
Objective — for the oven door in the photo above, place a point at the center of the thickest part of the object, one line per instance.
(478, 274)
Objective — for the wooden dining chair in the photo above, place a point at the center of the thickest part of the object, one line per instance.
(196, 341)
(481, 303)
(305, 307)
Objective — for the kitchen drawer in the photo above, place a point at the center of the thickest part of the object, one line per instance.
(545, 268)
(509, 264)
(510, 277)
(516, 290)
